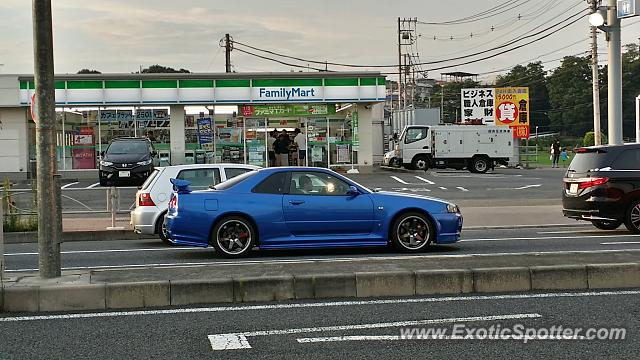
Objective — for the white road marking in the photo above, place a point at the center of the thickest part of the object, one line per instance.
(108, 251)
(69, 185)
(399, 180)
(411, 189)
(591, 230)
(442, 188)
(621, 243)
(434, 337)
(425, 180)
(461, 188)
(327, 260)
(235, 340)
(550, 238)
(518, 227)
(527, 187)
(233, 308)
(92, 185)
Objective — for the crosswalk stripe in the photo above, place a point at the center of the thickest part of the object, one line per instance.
(425, 180)
(399, 180)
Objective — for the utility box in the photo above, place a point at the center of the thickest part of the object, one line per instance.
(200, 156)
(189, 157)
(164, 157)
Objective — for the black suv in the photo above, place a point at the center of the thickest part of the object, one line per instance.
(602, 185)
(127, 162)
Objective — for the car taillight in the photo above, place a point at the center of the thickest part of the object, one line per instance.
(144, 199)
(589, 182)
(173, 203)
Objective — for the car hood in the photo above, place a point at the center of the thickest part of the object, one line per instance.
(125, 158)
(392, 194)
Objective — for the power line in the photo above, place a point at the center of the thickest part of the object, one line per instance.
(481, 15)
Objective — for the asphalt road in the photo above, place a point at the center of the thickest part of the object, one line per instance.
(136, 254)
(341, 329)
(506, 185)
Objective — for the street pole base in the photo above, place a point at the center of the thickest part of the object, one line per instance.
(113, 228)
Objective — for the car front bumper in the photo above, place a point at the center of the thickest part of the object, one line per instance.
(450, 227)
(137, 175)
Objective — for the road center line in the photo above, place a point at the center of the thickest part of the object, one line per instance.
(232, 308)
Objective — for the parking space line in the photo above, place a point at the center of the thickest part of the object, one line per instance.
(442, 188)
(621, 243)
(399, 180)
(461, 188)
(92, 185)
(69, 185)
(425, 180)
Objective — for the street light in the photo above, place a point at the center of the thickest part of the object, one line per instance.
(597, 18)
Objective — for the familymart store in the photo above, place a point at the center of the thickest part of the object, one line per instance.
(195, 118)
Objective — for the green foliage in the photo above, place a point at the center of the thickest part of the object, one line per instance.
(159, 69)
(89, 71)
(589, 139)
(452, 90)
(12, 220)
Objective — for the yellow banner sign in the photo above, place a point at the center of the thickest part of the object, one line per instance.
(512, 106)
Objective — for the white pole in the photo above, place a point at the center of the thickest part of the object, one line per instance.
(638, 119)
(615, 76)
(595, 80)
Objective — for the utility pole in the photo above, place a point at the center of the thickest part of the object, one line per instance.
(399, 66)
(48, 182)
(227, 48)
(596, 78)
(614, 77)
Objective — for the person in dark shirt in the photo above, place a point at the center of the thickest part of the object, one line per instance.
(281, 147)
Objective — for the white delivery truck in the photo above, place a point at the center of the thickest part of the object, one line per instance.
(476, 147)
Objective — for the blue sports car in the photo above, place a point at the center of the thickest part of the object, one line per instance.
(300, 208)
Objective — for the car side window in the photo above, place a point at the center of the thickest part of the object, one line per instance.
(317, 183)
(628, 160)
(233, 172)
(274, 184)
(415, 134)
(200, 178)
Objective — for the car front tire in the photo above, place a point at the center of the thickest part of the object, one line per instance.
(606, 225)
(233, 237)
(412, 232)
(420, 162)
(632, 220)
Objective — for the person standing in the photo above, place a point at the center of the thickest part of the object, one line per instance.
(281, 147)
(555, 153)
(271, 139)
(301, 142)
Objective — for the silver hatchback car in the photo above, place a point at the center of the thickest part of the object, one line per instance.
(153, 197)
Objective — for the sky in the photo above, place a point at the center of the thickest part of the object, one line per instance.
(119, 36)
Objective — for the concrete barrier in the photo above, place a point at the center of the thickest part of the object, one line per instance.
(603, 276)
(385, 283)
(325, 286)
(137, 295)
(263, 288)
(47, 296)
(505, 279)
(430, 282)
(559, 277)
(189, 292)
(72, 236)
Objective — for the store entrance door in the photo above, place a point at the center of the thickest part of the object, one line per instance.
(317, 142)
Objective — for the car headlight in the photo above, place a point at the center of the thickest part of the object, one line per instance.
(105, 163)
(143, 163)
(453, 208)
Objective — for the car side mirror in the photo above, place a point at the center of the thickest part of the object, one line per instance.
(353, 191)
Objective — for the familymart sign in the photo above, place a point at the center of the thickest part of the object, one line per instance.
(191, 90)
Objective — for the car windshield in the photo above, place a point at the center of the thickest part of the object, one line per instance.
(236, 180)
(586, 161)
(128, 147)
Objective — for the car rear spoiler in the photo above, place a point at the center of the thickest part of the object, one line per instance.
(181, 186)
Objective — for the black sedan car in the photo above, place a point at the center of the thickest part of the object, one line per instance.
(602, 185)
(127, 162)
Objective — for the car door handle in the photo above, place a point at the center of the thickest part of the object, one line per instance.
(296, 202)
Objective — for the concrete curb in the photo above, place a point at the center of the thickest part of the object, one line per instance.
(70, 236)
(76, 297)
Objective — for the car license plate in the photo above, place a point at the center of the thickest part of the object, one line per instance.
(573, 189)
(124, 174)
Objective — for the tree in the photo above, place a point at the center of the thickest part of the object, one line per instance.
(571, 96)
(630, 88)
(159, 69)
(534, 77)
(87, 71)
(452, 93)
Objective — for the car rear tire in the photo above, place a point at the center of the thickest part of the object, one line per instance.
(233, 237)
(606, 225)
(161, 230)
(420, 162)
(412, 232)
(632, 220)
(479, 165)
